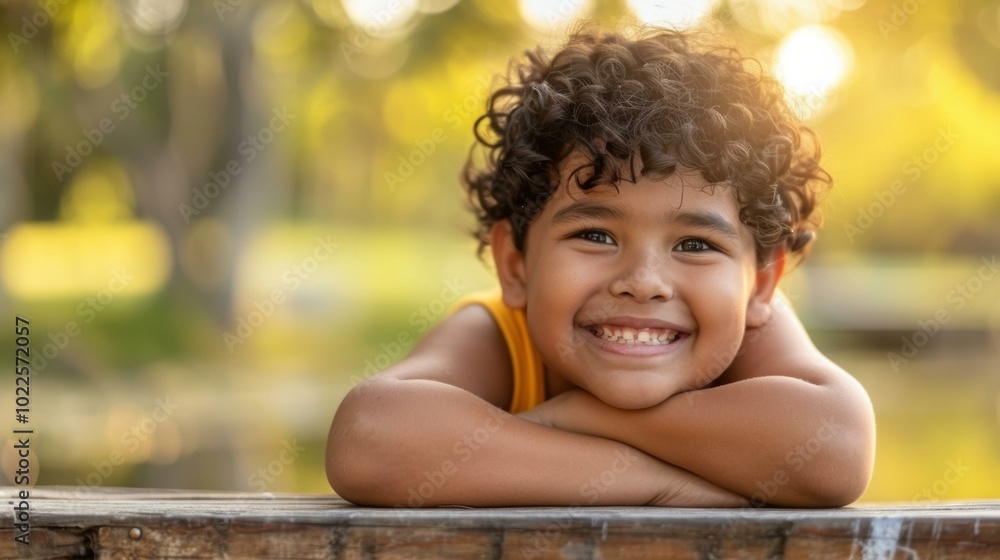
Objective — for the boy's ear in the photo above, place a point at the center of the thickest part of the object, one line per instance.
(768, 275)
(510, 265)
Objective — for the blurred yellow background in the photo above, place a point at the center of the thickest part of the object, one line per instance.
(220, 216)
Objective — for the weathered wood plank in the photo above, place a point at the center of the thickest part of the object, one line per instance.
(133, 523)
(46, 543)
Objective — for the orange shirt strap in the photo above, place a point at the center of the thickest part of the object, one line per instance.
(529, 371)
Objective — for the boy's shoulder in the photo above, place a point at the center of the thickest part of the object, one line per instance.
(467, 350)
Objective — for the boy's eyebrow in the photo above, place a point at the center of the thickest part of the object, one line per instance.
(705, 219)
(708, 220)
(590, 210)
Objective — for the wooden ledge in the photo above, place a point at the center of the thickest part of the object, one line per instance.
(140, 523)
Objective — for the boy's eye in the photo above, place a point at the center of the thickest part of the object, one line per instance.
(693, 246)
(595, 236)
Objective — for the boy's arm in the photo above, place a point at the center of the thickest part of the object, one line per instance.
(783, 425)
(428, 432)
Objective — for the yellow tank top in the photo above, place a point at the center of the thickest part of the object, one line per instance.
(529, 371)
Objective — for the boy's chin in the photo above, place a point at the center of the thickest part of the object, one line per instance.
(634, 399)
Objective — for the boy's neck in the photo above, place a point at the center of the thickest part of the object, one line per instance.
(555, 384)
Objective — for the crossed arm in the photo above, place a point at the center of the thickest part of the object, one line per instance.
(794, 431)
(432, 431)
(798, 431)
(776, 440)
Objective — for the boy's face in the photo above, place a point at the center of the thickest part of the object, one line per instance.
(658, 259)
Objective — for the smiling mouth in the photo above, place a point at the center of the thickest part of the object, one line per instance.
(634, 337)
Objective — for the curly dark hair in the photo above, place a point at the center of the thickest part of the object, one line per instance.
(669, 99)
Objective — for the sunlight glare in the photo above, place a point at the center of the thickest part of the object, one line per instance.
(680, 14)
(811, 62)
(782, 16)
(156, 17)
(380, 17)
(549, 15)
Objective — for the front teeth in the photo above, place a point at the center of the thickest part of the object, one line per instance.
(632, 337)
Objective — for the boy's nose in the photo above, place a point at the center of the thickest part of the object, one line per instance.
(643, 278)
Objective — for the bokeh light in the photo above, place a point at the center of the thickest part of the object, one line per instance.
(381, 17)
(65, 260)
(782, 16)
(99, 192)
(551, 15)
(93, 41)
(155, 16)
(331, 13)
(679, 14)
(811, 62)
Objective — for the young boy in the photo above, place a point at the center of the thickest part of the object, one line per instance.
(641, 198)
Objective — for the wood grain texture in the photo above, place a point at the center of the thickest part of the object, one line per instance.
(118, 523)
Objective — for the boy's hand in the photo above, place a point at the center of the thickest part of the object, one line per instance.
(563, 411)
(533, 417)
(671, 486)
(681, 488)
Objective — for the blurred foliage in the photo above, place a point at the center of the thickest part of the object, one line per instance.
(245, 207)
